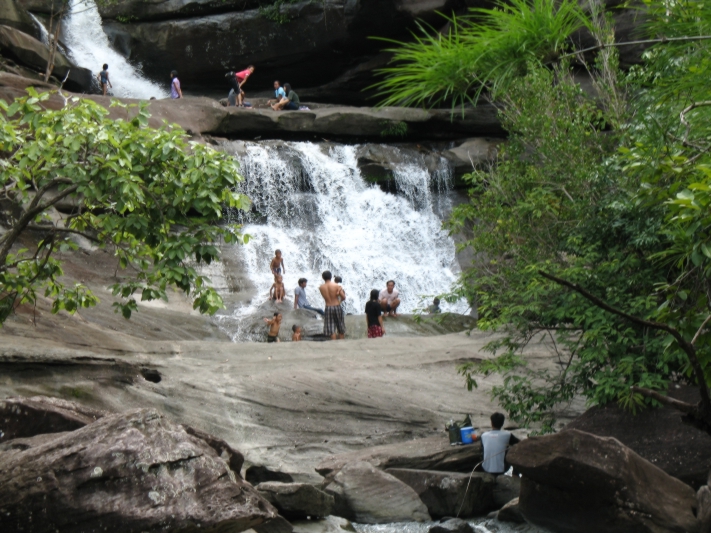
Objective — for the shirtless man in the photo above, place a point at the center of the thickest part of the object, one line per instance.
(334, 324)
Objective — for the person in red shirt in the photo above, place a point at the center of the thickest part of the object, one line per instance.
(239, 79)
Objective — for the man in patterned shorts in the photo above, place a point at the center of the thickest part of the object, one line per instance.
(334, 324)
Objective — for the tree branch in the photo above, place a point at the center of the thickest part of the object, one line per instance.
(688, 347)
(643, 41)
(37, 227)
(693, 341)
(684, 407)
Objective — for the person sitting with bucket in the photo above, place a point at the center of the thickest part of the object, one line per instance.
(495, 444)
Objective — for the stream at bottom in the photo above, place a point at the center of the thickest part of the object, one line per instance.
(479, 525)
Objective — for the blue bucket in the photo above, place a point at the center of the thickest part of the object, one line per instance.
(467, 435)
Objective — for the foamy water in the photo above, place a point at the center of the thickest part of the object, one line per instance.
(312, 203)
(89, 47)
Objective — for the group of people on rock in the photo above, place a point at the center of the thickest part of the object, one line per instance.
(284, 97)
(382, 303)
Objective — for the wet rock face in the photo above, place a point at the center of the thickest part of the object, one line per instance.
(125, 473)
(575, 481)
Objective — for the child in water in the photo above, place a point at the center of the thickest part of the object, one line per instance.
(277, 264)
(296, 335)
(274, 325)
(277, 292)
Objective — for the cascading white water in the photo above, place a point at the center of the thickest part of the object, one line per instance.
(312, 203)
(89, 48)
(44, 36)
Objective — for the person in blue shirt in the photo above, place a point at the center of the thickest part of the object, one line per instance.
(300, 301)
(279, 93)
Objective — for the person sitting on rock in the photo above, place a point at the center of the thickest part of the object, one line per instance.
(300, 300)
(495, 443)
(290, 103)
(277, 292)
(390, 299)
(279, 94)
(434, 308)
(296, 333)
(274, 325)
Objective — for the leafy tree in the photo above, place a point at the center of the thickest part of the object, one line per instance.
(146, 194)
(593, 227)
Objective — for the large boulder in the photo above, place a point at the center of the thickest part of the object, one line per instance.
(704, 500)
(506, 489)
(450, 493)
(431, 453)
(511, 512)
(658, 435)
(27, 417)
(376, 497)
(125, 473)
(14, 16)
(297, 500)
(575, 481)
(28, 51)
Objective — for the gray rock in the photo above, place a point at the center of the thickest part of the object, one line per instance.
(450, 493)
(453, 525)
(331, 524)
(506, 489)
(473, 153)
(278, 524)
(256, 474)
(28, 51)
(341, 508)
(576, 481)
(511, 512)
(125, 473)
(703, 497)
(377, 497)
(431, 453)
(297, 500)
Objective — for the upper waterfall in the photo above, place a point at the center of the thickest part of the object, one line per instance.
(311, 202)
(89, 47)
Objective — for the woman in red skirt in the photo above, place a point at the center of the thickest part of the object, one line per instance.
(374, 316)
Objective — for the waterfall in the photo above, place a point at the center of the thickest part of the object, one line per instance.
(89, 48)
(311, 202)
(44, 36)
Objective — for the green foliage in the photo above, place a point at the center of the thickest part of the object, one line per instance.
(148, 195)
(485, 49)
(623, 213)
(394, 129)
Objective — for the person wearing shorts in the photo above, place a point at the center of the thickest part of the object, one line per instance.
(374, 316)
(237, 81)
(334, 321)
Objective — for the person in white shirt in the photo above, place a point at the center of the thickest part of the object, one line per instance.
(389, 299)
(495, 443)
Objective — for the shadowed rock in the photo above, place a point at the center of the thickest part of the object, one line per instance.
(297, 500)
(256, 474)
(125, 473)
(575, 481)
(511, 512)
(454, 525)
(450, 493)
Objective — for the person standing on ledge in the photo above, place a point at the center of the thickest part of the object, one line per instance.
(175, 91)
(374, 316)
(104, 79)
(300, 301)
(334, 323)
(495, 443)
(390, 298)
